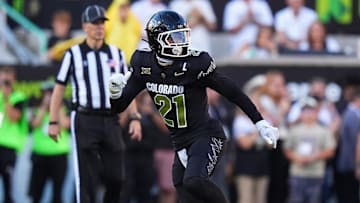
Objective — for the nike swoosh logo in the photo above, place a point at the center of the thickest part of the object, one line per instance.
(176, 74)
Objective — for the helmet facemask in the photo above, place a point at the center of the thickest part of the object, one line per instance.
(174, 43)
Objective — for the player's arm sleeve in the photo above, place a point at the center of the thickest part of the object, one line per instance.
(231, 91)
(227, 87)
(65, 69)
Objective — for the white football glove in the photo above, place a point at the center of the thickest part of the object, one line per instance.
(269, 133)
(117, 82)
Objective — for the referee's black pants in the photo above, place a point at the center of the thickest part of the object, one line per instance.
(98, 157)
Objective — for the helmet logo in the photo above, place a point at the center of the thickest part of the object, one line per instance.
(177, 50)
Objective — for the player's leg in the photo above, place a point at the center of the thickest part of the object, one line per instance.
(182, 194)
(245, 188)
(113, 160)
(203, 155)
(58, 169)
(128, 187)
(164, 159)
(38, 177)
(144, 180)
(297, 194)
(7, 165)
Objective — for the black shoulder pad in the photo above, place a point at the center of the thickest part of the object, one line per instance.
(135, 59)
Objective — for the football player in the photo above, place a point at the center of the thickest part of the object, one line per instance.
(176, 77)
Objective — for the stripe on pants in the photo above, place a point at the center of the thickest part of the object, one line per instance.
(75, 157)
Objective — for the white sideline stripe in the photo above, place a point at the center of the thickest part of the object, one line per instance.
(75, 158)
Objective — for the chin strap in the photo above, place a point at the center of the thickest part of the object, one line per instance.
(164, 62)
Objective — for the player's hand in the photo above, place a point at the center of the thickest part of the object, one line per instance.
(269, 133)
(117, 82)
(135, 130)
(54, 132)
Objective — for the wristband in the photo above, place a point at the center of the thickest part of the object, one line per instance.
(53, 123)
(135, 116)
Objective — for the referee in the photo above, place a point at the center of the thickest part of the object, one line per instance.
(98, 144)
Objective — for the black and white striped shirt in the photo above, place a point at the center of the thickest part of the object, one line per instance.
(89, 71)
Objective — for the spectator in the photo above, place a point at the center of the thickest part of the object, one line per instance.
(292, 24)
(6, 57)
(275, 102)
(61, 24)
(242, 18)
(347, 186)
(49, 159)
(264, 46)
(201, 19)
(318, 41)
(143, 10)
(307, 147)
(274, 97)
(350, 84)
(252, 178)
(328, 114)
(139, 155)
(124, 29)
(13, 127)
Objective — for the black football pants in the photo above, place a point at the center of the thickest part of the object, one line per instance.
(192, 168)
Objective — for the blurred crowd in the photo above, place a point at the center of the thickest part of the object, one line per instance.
(317, 158)
(253, 30)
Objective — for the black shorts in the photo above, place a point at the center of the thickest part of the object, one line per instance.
(198, 159)
(7, 159)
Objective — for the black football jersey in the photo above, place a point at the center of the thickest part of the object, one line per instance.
(179, 93)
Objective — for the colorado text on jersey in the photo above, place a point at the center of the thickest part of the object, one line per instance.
(165, 88)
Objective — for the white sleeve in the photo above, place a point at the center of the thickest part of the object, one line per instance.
(314, 16)
(230, 19)
(208, 11)
(332, 45)
(304, 46)
(265, 18)
(65, 69)
(294, 112)
(280, 25)
(242, 126)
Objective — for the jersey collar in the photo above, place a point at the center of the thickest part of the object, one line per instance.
(88, 49)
